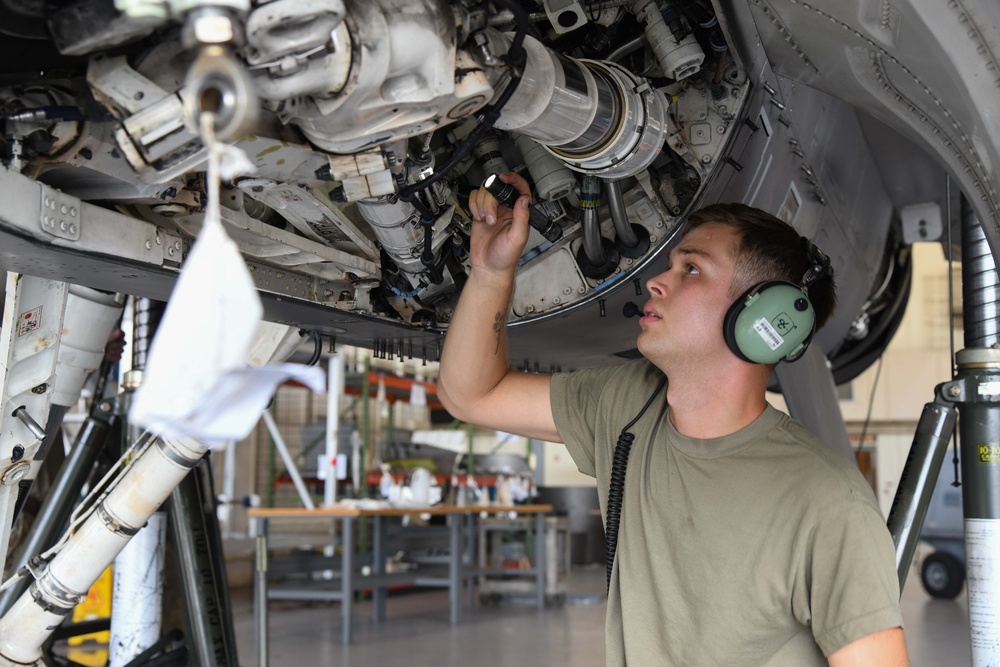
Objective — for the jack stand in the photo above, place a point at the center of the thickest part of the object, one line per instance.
(975, 390)
(194, 528)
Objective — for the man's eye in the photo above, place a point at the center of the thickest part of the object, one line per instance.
(691, 268)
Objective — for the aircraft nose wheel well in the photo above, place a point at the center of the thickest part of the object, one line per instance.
(942, 575)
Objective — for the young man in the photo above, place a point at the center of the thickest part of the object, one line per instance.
(743, 539)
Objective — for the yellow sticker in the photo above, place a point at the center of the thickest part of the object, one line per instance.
(989, 453)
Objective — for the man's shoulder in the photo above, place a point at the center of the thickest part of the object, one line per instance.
(632, 369)
(817, 466)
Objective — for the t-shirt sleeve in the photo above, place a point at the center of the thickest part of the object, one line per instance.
(575, 398)
(851, 586)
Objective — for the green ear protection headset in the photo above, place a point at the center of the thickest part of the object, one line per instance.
(774, 321)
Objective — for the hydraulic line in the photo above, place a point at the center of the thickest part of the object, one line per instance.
(590, 200)
(625, 235)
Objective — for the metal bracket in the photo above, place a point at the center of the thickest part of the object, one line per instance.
(60, 214)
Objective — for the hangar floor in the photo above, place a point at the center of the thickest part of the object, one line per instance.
(418, 633)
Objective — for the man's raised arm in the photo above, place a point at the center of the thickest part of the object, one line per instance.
(476, 384)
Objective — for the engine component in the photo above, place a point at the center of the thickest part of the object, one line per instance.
(390, 94)
(551, 177)
(674, 45)
(596, 116)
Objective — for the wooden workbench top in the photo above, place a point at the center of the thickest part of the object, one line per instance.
(350, 511)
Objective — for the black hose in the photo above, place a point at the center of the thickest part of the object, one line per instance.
(616, 488)
(515, 60)
(317, 348)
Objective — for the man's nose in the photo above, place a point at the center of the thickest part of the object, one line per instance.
(658, 285)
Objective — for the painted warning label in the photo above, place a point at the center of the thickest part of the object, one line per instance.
(989, 453)
(982, 562)
(29, 321)
(768, 333)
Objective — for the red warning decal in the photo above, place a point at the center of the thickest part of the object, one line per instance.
(29, 321)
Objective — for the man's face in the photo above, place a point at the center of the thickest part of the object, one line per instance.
(689, 300)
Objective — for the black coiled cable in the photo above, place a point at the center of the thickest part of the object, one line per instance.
(616, 488)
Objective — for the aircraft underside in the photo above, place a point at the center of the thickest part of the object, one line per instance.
(367, 124)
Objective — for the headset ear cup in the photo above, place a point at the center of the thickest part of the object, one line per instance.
(772, 321)
(729, 324)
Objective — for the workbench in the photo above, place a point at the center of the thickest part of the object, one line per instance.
(461, 558)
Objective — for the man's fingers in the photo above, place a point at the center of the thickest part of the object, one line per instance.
(517, 181)
(484, 207)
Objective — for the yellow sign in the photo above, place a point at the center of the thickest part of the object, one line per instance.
(989, 453)
(92, 649)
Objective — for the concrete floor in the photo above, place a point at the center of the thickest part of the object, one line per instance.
(417, 632)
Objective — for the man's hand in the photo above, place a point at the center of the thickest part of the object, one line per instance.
(476, 384)
(499, 233)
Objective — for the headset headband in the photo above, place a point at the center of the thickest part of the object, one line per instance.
(819, 264)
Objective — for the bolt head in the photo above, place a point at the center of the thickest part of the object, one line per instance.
(954, 391)
(15, 473)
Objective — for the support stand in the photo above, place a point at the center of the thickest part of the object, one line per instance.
(975, 391)
(195, 530)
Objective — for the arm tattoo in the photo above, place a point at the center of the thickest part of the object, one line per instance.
(497, 328)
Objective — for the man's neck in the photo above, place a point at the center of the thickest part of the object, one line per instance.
(711, 403)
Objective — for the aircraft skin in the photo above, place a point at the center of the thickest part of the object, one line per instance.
(811, 149)
(845, 117)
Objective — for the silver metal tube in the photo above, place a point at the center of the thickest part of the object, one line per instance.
(335, 384)
(33, 427)
(623, 228)
(293, 471)
(595, 115)
(916, 483)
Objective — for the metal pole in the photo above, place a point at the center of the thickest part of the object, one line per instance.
(359, 463)
(293, 471)
(260, 592)
(916, 483)
(334, 390)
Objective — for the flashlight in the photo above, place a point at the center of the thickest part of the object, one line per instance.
(507, 195)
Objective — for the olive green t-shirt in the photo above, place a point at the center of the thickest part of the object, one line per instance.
(764, 547)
